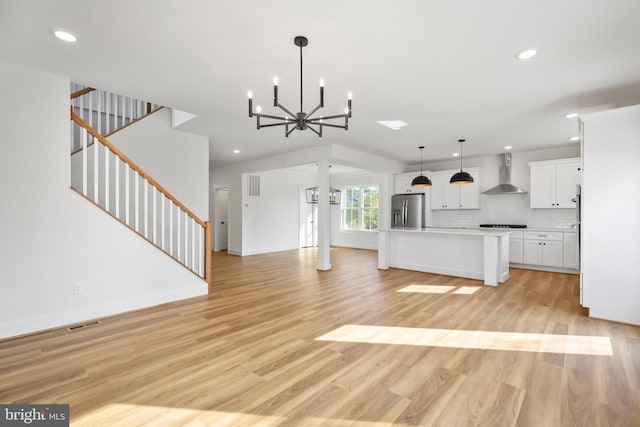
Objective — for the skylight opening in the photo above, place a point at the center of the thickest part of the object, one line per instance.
(393, 124)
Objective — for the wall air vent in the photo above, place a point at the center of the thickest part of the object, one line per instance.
(253, 184)
(84, 325)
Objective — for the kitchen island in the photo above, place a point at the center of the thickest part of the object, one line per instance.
(474, 254)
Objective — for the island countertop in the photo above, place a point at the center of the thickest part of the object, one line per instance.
(445, 230)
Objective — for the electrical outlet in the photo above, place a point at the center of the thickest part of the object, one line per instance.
(78, 288)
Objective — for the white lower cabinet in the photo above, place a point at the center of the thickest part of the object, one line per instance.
(516, 248)
(543, 248)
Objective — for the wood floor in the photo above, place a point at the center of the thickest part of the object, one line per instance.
(248, 354)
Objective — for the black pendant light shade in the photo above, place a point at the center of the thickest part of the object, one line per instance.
(461, 177)
(421, 180)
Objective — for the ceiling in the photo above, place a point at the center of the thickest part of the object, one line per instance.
(445, 67)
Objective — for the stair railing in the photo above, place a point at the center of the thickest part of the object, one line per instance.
(107, 112)
(108, 178)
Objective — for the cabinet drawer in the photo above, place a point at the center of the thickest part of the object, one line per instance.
(543, 235)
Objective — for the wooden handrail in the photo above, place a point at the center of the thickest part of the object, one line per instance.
(79, 150)
(135, 167)
(81, 92)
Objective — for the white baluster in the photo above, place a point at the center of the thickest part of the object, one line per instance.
(81, 107)
(115, 112)
(90, 109)
(98, 92)
(146, 208)
(154, 194)
(170, 228)
(107, 110)
(186, 239)
(193, 245)
(179, 242)
(96, 182)
(126, 194)
(106, 178)
(84, 138)
(117, 184)
(122, 115)
(162, 221)
(130, 109)
(200, 251)
(136, 202)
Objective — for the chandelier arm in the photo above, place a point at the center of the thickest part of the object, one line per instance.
(331, 125)
(285, 110)
(313, 111)
(315, 131)
(273, 124)
(269, 116)
(337, 116)
(287, 133)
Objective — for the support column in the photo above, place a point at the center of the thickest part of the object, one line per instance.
(324, 217)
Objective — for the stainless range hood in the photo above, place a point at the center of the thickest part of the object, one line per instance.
(505, 186)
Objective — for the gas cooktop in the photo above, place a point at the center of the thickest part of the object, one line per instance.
(503, 225)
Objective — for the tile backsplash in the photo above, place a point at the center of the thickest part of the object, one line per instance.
(504, 209)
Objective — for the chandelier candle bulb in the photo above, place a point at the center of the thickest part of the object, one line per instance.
(275, 91)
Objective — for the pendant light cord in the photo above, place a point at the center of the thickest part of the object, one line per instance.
(460, 156)
(421, 162)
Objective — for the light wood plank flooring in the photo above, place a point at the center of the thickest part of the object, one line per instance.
(248, 353)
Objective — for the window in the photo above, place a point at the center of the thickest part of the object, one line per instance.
(360, 208)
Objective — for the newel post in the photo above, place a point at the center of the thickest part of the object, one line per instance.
(207, 252)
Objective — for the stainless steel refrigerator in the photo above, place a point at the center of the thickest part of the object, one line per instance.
(407, 210)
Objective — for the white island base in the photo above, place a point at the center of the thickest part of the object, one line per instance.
(474, 254)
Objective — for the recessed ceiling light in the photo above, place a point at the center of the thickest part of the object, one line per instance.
(508, 147)
(456, 154)
(236, 151)
(526, 54)
(575, 138)
(571, 115)
(393, 124)
(65, 35)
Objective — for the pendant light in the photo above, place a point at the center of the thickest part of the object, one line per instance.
(461, 177)
(421, 181)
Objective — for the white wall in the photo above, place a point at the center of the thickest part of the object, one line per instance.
(505, 208)
(178, 160)
(610, 226)
(354, 239)
(270, 221)
(51, 237)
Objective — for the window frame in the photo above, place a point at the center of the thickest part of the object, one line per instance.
(347, 191)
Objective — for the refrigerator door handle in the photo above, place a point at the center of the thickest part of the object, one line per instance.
(406, 213)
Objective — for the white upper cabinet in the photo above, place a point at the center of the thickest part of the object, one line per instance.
(553, 183)
(402, 183)
(455, 196)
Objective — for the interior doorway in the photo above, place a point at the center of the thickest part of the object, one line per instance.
(307, 221)
(221, 229)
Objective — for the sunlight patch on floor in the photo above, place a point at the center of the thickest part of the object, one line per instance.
(484, 340)
(466, 290)
(434, 289)
(427, 289)
(147, 415)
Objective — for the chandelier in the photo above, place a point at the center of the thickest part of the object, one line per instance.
(301, 120)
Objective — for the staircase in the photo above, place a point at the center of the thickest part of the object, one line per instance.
(105, 176)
